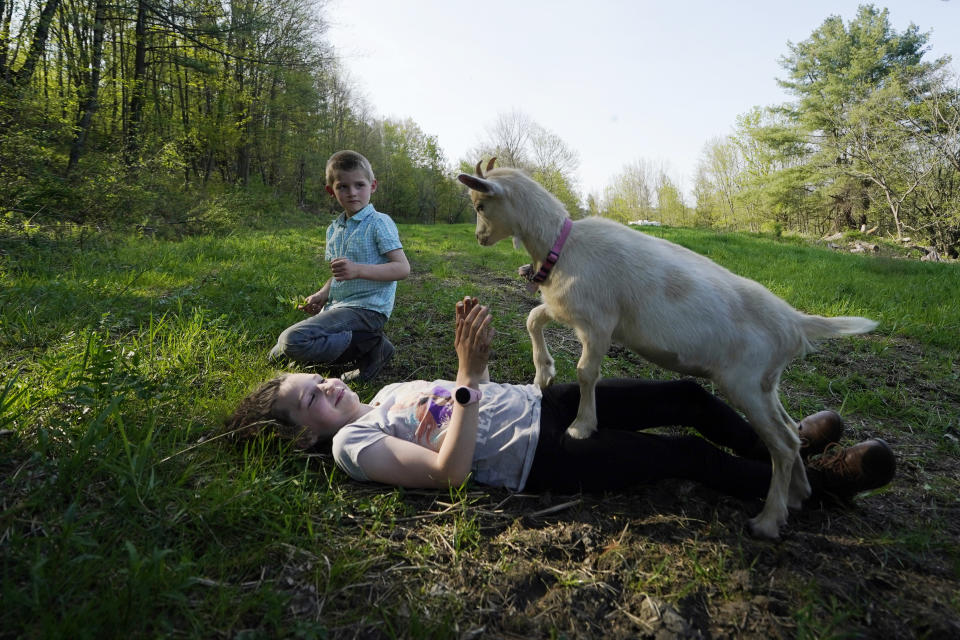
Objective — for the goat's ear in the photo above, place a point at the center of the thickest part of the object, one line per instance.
(477, 184)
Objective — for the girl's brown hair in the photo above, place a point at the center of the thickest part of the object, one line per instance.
(259, 411)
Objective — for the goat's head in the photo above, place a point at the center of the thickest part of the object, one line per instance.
(494, 213)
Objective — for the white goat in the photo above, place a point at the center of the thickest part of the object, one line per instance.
(674, 307)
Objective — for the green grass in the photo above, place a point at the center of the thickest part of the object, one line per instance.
(122, 514)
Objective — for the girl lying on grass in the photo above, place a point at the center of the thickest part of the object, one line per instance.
(436, 434)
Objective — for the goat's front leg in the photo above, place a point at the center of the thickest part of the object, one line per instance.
(542, 360)
(595, 345)
(767, 417)
(799, 485)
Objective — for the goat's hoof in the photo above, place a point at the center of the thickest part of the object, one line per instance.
(580, 431)
(798, 494)
(760, 528)
(545, 380)
(796, 497)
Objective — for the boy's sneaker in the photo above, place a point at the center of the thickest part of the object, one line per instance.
(818, 431)
(372, 362)
(845, 472)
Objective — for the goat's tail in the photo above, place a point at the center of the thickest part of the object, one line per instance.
(815, 327)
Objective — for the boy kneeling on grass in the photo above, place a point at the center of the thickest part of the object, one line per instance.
(435, 434)
(366, 258)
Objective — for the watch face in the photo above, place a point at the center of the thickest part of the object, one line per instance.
(466, 395)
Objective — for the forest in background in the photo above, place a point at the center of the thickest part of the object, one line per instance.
(189, 115)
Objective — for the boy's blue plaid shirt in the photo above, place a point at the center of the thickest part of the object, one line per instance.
(365, 237)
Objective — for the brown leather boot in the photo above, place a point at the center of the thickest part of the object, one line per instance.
(845, 472)
(819, 430)
(816, 432)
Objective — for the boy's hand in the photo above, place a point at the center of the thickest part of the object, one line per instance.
(314, 304)
(474, 334)
(344, 269)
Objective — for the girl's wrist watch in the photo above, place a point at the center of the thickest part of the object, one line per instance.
(467, 395)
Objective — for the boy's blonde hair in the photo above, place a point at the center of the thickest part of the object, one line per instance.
(347, 160)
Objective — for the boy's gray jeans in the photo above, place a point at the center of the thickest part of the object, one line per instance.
(325, 337)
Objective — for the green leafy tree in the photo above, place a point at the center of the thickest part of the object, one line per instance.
(631, 195)
(933, 123)
(839, 75)
(88, 84)
(718, 183)
(671, 209)
(777, 186)
(16, 71)
(593, 205)
(414, 184)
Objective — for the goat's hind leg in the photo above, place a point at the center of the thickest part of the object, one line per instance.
(542, 360)
(763, 412)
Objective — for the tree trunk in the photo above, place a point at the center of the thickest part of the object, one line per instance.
(88, 104)
(22, 76)
(6, 14)
(138, 91)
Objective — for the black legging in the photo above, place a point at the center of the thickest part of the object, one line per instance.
(618, 455)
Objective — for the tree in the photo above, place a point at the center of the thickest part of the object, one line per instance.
(138, 88)
(719, 173)
(885, 153)
(19, 78)
(776, 184)
(593, 205)
(936, 117)
(671, 208)
(508, 138)
(631, 194)
(707, 206)
(89, 86)
(836, 75)
(516, 140)
(933, 123)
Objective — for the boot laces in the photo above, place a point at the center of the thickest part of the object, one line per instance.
(833, 461)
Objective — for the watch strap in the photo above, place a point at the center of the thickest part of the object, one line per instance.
(467, 395)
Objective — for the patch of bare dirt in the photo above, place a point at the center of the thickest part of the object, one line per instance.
(673, 561)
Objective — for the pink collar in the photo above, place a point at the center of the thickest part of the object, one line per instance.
(553, 256)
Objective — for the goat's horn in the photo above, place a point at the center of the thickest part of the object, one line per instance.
(479, 173)
(490, 164)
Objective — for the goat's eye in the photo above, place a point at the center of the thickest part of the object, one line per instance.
(479, 206)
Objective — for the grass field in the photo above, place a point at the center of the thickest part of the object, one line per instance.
(123, 515)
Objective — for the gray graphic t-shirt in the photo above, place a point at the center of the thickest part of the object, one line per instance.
(507, 432)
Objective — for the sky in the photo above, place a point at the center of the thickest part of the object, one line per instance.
(618, 81)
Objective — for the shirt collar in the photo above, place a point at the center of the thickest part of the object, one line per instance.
(358, 216)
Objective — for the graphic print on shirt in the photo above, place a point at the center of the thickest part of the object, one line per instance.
(422, 417)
